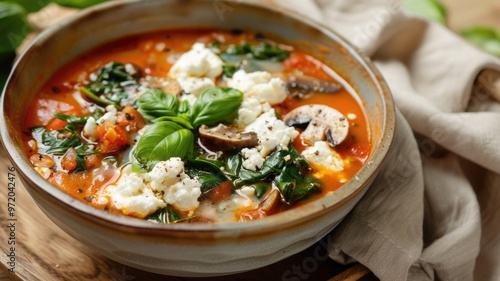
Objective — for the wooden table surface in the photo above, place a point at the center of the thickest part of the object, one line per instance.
(44, 252)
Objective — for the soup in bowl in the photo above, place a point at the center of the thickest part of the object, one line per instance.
(190, 145)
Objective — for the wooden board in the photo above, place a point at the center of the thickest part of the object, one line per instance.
(44, 252)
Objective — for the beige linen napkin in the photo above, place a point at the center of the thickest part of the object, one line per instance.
(432, 212)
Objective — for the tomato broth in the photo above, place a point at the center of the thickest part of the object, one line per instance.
(101, 156)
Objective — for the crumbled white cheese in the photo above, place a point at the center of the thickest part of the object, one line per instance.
(108, 116)
(198, 62)
(252, 159)
(90, 129)
(271, 132)
(177, 187)
(195, 86)
(259, 84)
(132, 196)
(322, 155)
(250, 109)
(247, 191)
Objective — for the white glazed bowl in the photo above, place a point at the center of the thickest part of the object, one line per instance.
(192, 249)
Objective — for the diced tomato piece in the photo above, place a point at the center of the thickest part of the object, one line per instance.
(111, 138)
(220, 192)
(56, 124)
(130, 119)
(68, 161)
(307, 64)
(92, 161)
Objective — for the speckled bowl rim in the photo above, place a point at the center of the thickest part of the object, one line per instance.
(272, 224)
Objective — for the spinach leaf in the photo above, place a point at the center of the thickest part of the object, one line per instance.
(485, 38)
(233, 165)
(166, 215)
(214, 105)
(109, 84)
(156, 103)
(78, 120)
(160, 142)
(259, 51)
(61, 140)
(81, 152)
(208, 172)
(261, 189)
(79, 4)
(294, 185)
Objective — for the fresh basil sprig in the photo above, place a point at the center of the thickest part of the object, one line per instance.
(172, 135)
(214, 105)
(162, 141)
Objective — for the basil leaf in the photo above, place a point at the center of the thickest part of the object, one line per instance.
(79, 4)
(485, 38)
(214, 105)
(176, 119)
(430, 9)
(156, 103)
(14, 28)
(162, 141)
(184, 107)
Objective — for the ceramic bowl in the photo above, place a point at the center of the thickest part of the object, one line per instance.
(192, 249)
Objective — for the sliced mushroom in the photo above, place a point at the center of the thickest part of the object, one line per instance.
(271, 204)
(323, 122)
(226, 138)
(302, 86)
(168, 85)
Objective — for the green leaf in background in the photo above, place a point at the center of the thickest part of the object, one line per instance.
(33, 5)
(430, 9)
(79, 4)
(13, 28)
(6, 62)
(486, 38)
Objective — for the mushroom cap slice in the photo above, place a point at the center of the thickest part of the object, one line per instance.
(226, 138)
(301, 86)
(323, 123)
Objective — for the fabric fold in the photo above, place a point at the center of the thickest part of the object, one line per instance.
(433, 219)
